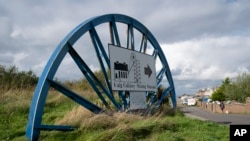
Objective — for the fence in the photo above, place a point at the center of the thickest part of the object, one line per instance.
(232, 107)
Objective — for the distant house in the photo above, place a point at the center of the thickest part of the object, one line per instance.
(206, 92)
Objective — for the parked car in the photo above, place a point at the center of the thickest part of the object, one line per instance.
(184, 101)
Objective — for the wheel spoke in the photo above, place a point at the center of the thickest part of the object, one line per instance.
(114, 33)
(89, 75)
(165, 93)
(155, 53)
(130, 37)
(56, 127)
(160, 75)
(143, 45)
(99, 47)
(75, 97)
(162, 97)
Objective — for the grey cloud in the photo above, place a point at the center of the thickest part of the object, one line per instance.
(31, 30)
(199, 18)
(192, 86)
(6, 59)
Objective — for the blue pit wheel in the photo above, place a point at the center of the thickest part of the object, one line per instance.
(137, 37)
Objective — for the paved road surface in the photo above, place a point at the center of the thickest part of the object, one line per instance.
(197, 112)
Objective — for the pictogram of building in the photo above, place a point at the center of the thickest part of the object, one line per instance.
(121, 71)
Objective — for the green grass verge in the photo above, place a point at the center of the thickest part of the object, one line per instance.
(14, 110)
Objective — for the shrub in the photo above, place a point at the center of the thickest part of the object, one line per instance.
(239, 90)
(11, 78)
(219, 94)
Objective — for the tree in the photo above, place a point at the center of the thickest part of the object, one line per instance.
(240, 89)
(219, 94)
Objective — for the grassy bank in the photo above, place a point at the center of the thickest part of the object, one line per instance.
(14, 110)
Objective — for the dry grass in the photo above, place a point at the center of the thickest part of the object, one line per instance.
(83, 118)
(127, 118)
(16, 98)
(76, 116)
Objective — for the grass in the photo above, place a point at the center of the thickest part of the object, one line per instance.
(14, 110)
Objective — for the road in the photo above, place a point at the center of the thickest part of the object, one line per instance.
(197, 112)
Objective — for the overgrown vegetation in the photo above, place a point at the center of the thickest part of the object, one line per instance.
(166, 125)
(237, 90)
(11, 78)
(60, 110)
(219, 94)
(124, 127)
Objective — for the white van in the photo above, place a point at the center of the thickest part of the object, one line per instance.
(191, 101)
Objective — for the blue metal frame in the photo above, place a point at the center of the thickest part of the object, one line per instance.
(46, 81)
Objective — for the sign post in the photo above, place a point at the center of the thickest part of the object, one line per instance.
(131, 70)
(134, 72)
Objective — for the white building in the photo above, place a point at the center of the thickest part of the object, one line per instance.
(206, 92)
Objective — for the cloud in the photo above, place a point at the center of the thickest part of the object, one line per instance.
(204, 41)
(208, 58)
(5, 24)
(6, 59)
(184, 20)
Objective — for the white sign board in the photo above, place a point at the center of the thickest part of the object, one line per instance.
(131, 70)
(137, 100)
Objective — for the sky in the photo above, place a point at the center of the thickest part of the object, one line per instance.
(204, 41)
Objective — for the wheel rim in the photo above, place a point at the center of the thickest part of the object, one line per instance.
(146, 43)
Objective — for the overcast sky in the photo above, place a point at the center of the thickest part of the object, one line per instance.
(204, 40)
